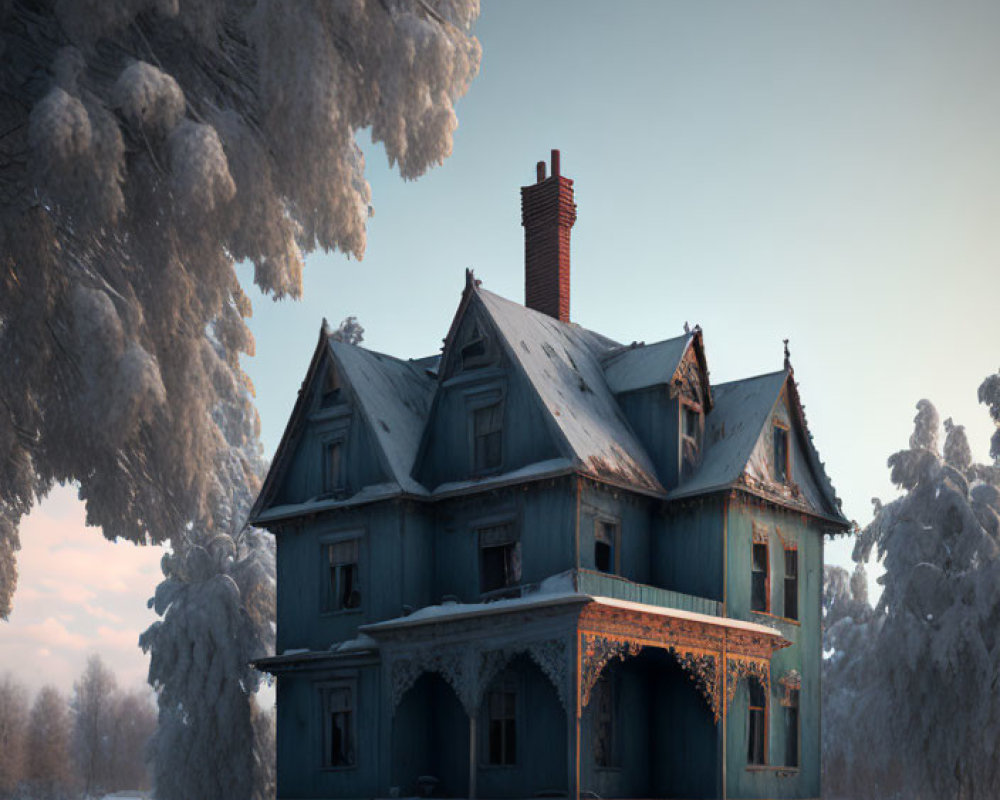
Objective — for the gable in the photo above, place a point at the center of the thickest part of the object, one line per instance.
(480, 388)
(356, 423)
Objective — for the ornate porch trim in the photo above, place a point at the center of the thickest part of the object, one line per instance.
(469, 669)
(700, 647)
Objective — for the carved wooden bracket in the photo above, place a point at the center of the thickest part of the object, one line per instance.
(703, 669)
(598, 652)
(739, 667)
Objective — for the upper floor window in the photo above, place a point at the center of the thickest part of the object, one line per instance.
(487, 437)
(338, 726)
(499, 557)
(780, 458)
(501, 730)
(757, 729)
(791, 583)
(759, 579)
(606, 546)
(344, 587)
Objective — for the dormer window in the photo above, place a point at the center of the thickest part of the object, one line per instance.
(487, 433)
(331, 388)
(474, 352)
(691, 424)
(780, 460)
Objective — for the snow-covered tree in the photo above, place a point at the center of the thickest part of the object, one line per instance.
(911, 702)
(48, 765)
(13, 729)
(147, 146)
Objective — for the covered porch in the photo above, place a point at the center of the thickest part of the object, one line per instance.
(476, 696)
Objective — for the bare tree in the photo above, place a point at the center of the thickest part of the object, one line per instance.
(13, 729)
(133, 725)
(94, 720)
(48, 770)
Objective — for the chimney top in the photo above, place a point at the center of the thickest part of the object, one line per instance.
(547, 214)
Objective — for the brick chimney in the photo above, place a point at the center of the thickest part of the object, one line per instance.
(547, 214)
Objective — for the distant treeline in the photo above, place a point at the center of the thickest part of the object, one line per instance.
(93, 742)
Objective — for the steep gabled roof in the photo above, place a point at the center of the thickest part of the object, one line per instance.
(392, 395)
(395, 397)
(733, 429)
(562, 363)
(641, 366)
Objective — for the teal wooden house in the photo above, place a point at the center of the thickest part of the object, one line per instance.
(545, 564)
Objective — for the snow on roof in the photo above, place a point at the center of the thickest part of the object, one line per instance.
(641, 366)
(396, 396)
(561, 361)
(731, 431)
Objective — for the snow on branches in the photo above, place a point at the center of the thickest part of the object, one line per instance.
(910, 702)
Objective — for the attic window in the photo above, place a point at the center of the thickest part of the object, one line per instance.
(780, 455)
(333, 478)
(691, 425)
(487, 433)
(331, 388)
(344, 590)
(474, 352)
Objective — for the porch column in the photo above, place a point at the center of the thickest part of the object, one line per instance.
(573, 720)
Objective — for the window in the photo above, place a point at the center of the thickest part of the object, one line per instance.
(757, 735)
(690, 438)
(604, 722)
(487, 432)
(344, 590)
(499, 557)
(792, 729)
(791, 583)
(759, 579)
(474, 350)
(780, 454)
(332, 472)
(605, 541)
(501, 733)
(331, 388)
(338, 726)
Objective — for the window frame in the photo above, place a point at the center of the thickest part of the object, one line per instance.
(791, 549)
(475, 409)
(476, 360)
(605, 523)
(332, 485)
(512, 540)
(762, 713)
(767, 575)
(326, 689)
(332, 391)
(507, 682)
(328, 601)
(779, 427)
(686, 407)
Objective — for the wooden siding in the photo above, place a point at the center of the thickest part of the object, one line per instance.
(805, 654)
(655, 418)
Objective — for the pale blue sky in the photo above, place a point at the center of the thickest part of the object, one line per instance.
(822, 171)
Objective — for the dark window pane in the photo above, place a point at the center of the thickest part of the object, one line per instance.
(602, 557)
(488, 437)
(792, 740)
(780, 454)
(792, 584)
(756, 741)
(758, 579)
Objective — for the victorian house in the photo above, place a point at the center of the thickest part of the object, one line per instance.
(545, 564)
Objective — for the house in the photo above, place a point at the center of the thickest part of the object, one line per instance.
(543, 563)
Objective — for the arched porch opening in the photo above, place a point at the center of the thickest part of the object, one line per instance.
(430, 738)
(647, 731)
